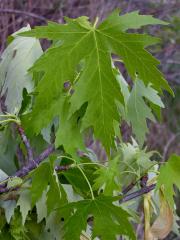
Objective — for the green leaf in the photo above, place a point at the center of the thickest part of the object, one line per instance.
(134, 162)
(45, 178)
(9, 207)
(2, 221)
(93, 82)
(76, 179)
(68, 133)
(24, 202)
(137, 109)
(41, 207)
(53, 226)
(56, 195)
(17, 230)
(130, 48)
(109, 219)
(17, 58)
(14, 181)
(132, 20)
(40, 181)
(108, 178)
(34, 229)
(72, 196)
(168, 177)
(3, 175)
(8, 150)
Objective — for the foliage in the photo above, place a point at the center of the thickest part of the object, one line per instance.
(77, 91)
(169, 175)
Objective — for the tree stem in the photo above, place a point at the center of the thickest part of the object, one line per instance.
(26, 143)
(138, 193)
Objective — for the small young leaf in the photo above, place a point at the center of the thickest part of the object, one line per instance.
(108, 177)
(14, 182)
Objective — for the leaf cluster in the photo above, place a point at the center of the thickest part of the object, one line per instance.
(63, 96)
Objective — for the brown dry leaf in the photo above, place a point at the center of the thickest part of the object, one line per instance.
(163, 224)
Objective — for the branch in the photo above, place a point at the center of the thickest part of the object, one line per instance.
(26, 143)
(4, 189)
(50, 149)
(29, 14)
(20, 156)
(128, 188)
(143, 182)
(32, 165)
(138, 193)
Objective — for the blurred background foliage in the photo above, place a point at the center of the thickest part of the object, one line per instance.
(164, 136)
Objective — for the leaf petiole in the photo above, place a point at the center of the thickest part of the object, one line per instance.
(98, 164)
(10, 120)
(80, 169)
(85, 177)
(95, 22)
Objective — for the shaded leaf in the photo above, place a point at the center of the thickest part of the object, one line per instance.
(24, 202)
(108, 178)
(17, 58)
(41, 207)
(40, 181)
(9, 207)
(138, 111)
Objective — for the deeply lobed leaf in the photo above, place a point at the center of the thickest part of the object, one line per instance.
(109, 219)
(82, 55)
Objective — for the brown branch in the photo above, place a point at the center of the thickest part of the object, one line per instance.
(26, 143)
(138, 193)
(4, 189)
(20, 156)
(29, 14)
(128, 188)
(32, 165)
(50, 149)
(143, 181)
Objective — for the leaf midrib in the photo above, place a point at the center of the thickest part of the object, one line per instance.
(100, 80)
